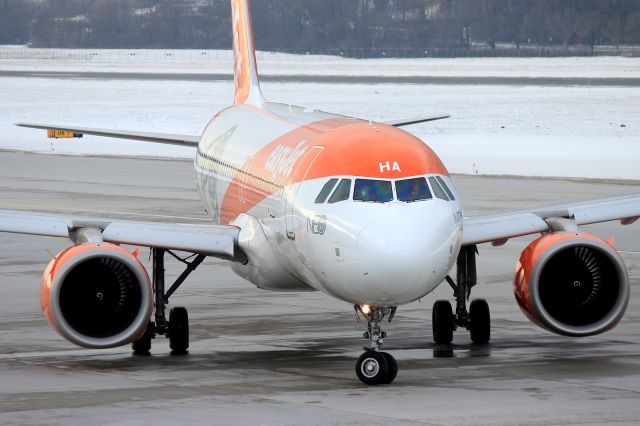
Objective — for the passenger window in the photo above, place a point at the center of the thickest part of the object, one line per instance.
(326, 190)
(416, 189)
(437, 189)
(342, 191)
(446, 188)
(378, 191)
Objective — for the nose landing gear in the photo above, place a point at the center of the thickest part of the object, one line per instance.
(375, 367)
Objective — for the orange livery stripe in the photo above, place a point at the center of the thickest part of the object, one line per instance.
(349, 148)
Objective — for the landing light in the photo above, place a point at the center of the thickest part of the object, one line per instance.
(365, 309)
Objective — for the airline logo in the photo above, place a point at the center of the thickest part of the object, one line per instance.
(283, 158)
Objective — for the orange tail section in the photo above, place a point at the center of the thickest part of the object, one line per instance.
(245, 70)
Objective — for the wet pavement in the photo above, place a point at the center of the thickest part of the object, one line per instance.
(265, 358)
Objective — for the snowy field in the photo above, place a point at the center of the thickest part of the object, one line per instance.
(217, 61)
(579, 131)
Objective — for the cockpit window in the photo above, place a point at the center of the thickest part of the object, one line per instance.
(326, 190)
(413, 189)
(378, 191)
(342, 191)
(446, 188)
(437, 190)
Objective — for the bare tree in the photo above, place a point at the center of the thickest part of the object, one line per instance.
(358, 27)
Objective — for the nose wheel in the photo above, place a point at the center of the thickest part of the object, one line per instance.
(477, 319)
(375, 367)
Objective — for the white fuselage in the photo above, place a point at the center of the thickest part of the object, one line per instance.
(263, 170)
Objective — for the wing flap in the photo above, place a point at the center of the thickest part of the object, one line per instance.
(171, 139)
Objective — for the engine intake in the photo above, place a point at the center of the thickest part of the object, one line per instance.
(572, 284)
(97, 296)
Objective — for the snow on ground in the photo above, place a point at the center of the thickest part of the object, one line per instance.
(571, 131)
(219, 62)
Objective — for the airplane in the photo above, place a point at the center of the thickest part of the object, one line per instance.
(302, 200)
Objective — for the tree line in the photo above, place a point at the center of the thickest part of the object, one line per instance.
(316, 25)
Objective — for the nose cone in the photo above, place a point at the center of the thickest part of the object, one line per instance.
(403, 254)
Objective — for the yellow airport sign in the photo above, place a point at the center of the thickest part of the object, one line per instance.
(57, 134)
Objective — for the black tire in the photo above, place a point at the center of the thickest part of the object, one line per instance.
(479, 321)
(142, 346)
(178, 331)
(442, 322)
(372, 368)
(393, 368)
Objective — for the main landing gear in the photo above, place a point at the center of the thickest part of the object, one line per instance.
(375, 367)
(477, 319)
(177, 327)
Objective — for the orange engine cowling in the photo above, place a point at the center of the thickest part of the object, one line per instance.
(572, 284)
(97, 295)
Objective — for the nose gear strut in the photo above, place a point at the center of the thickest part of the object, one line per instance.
(375, 367)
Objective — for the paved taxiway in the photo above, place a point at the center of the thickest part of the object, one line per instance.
(336, 79)
(263, 358)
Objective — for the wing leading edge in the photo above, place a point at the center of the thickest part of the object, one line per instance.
(210, 240)
(497, 228)
(171, 139)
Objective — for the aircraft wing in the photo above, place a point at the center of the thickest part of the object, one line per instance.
(171, 139)
(415, 120)
(498, 228)
(209, 240)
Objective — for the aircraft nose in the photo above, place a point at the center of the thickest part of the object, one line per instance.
(406, 232)
(403, 255)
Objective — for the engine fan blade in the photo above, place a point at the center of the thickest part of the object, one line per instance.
(591, 264)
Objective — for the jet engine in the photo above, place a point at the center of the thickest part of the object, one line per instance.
(97, 295)
(572, 284)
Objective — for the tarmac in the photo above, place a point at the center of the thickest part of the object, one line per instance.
(335, 79)
(266, 358)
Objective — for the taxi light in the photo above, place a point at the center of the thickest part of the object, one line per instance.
(366, 309)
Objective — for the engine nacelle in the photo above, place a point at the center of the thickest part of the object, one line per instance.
(97, 295)
(572, 284)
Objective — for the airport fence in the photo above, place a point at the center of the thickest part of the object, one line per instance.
(113, 55)
(191, 55)
(479, 50)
